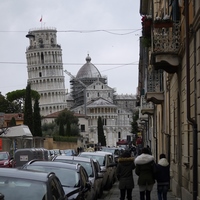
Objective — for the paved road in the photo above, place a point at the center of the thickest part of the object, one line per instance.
(114, 193)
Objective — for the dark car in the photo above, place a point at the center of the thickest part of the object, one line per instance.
(94, 176)
(74, 178)
(24, 184)
(6, 161)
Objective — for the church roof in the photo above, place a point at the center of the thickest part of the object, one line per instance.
(88, 70)
(101, 103)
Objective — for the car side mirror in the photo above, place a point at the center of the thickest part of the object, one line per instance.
(100, 175)
(112, 165)
(87, 187)
(103, 169)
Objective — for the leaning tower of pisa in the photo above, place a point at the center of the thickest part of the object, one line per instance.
(45, 69)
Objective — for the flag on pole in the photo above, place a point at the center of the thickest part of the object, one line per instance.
(41, 19)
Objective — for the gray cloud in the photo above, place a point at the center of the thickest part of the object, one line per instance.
(18, 17)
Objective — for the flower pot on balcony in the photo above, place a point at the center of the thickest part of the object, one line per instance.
(146, 41)
(146, 26)
(163, 23)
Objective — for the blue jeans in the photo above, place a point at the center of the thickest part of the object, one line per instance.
(162, 192)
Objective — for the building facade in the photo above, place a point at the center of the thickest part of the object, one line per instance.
(94, 98)
(45, 69)
(169, 79)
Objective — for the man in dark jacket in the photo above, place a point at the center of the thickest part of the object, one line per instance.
(145, 170)
(162, 177)
(125, 175)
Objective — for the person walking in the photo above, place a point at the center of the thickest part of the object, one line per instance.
(124, 173)
(162, 177)
(145, 167)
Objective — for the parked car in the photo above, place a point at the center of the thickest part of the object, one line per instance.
(114, 150)
(91, 170)
(74, 178)
(107, 166)
(23, 184)
(50, 154)
(6, 161)
(70, 152)
(57, 152)
(98, 168)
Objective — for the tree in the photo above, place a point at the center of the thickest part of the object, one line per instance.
(101, 136)
(134, 124)
(61, 129)
(50, 129)
(12, 122)
(7, 106)
(28, 111)
(37, 127)
(17, 99)
(68, 119)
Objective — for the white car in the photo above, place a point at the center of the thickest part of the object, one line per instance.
(108, 167)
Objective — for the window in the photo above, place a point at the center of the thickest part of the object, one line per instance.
(42, 58)
(119, 135)
(40, 74)
(82, 128)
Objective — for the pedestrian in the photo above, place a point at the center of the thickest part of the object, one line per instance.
(162, 177)
(145, 167)
(148, 147)
(124, 173)
(139, 143)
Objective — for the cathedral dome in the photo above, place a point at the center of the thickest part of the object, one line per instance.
(88, 70)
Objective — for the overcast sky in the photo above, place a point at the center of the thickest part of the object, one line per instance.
(107, 30)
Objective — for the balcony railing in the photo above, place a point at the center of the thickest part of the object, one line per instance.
(165, 46)
(155, 87)
(166, 39)
(146, 107)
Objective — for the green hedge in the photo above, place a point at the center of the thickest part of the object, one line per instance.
(65, 139)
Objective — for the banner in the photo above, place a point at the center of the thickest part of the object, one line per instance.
(1, 144)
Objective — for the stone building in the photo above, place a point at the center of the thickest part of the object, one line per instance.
(169, 88)
(94, 98)
(45, 69)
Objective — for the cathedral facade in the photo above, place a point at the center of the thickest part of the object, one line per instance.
(94, 98)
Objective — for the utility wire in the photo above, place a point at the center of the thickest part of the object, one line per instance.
(24, 63)
(110, 31)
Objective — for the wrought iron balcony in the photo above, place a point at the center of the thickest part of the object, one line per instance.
(146, 107)
(155, 87)
(142, 116)
(166, 45)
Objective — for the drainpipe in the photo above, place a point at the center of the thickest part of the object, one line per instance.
(155, 137)
(190, 120)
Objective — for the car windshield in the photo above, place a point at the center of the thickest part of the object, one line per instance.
(108, 150)
(68, 177)
(86, 165)
(3, 156)
(99, 158)
(16, 188)
(68, 152)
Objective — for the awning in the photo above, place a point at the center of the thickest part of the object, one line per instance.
(21, 131)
